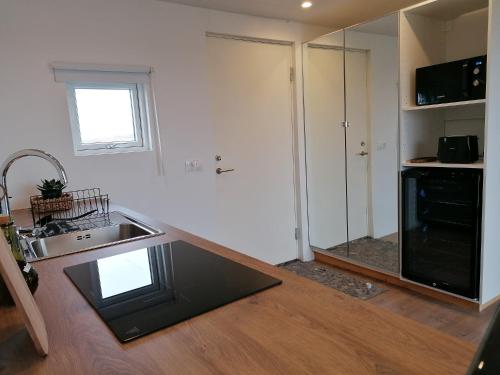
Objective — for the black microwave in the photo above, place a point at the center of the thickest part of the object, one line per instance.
(451, 82)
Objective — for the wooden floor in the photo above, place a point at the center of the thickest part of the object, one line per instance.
(454, 320)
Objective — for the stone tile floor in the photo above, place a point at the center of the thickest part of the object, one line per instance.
(370, 251)
(334, 278)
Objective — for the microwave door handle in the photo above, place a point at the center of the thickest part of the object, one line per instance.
(465, 80)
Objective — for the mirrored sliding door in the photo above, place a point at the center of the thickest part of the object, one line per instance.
(325, 140)
(353, 170)
(372, 142)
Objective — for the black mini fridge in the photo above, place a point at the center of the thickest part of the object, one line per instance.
(441, 228)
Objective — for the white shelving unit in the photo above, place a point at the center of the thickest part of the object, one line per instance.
(445, 105)
(434, 32)
(439, 31)
(436, 164)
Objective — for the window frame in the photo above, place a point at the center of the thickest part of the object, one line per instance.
(140, 115)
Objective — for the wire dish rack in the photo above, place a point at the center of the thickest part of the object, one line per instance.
(73, 211)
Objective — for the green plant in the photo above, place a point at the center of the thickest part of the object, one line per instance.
(51, 188)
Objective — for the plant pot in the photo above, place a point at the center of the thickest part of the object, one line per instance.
(30, 276)
(42, 205)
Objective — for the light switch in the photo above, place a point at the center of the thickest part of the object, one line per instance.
(196, 165)
(192, 165)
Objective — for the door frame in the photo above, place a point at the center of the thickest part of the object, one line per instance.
(294, 128)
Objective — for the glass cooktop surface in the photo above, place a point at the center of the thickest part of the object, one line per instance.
(144, 290)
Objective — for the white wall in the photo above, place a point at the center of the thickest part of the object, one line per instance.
(168, 37)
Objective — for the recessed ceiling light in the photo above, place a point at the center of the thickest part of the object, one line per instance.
(306, 4)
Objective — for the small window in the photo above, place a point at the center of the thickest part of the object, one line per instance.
(108, 110)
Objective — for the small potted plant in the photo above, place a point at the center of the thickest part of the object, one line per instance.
(51, 189)
(52, 197)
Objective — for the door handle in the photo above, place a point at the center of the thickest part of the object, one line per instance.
(362, 153)
(220, 170)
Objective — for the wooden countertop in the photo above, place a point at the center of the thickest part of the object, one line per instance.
(299, 327)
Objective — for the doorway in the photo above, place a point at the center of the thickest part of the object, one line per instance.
(252, 111)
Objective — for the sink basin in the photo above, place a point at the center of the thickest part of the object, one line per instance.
(73, 242)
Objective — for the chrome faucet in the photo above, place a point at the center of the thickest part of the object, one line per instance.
(2, 193)
(21, 154)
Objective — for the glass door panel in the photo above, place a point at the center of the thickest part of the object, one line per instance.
(371, 70)
(325, 140)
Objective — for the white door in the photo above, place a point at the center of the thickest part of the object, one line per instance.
(252, 115)
(357, 145)
(324, 112)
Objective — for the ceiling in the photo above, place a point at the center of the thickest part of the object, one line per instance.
(330, 13)
(387, 25)
(450, 9)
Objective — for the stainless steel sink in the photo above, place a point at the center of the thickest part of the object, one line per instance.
(123, 229)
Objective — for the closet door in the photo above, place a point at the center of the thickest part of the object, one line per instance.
(371, 73)
(325, 141)
(351, 77)
(357, 142)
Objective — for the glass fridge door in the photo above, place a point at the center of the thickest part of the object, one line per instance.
(441, 228)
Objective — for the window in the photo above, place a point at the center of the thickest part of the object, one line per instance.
(107, 117)
(108, 108)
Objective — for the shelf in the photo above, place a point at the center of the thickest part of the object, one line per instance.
(447, 10)
(437, 164)
(445, 105)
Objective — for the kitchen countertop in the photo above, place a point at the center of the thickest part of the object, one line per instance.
(295, 328)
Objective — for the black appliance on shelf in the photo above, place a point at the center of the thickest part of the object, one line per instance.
(458, 149)
(451, 82)
(441, 228)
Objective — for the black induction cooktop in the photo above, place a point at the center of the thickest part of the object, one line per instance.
(142, 291)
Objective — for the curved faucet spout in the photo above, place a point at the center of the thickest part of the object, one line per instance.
(24, 153)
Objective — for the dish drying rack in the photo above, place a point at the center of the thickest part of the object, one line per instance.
(76, 210)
